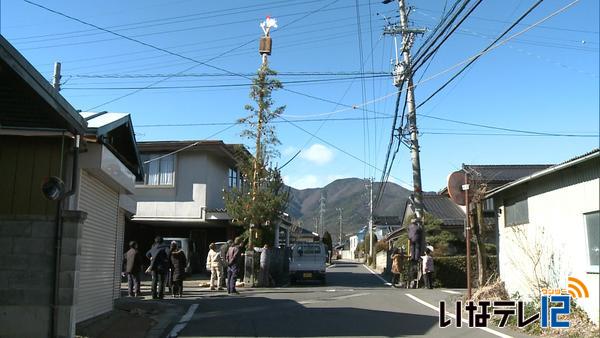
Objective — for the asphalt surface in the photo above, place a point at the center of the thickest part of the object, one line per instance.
(354, 303)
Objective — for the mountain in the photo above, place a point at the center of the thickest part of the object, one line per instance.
(350, 194)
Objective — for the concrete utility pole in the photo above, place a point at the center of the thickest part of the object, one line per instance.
(321, 213)
(340, 219)
(57, 76)
(371, 218)
(403, 73)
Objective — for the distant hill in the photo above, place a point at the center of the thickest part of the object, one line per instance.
(352, 196)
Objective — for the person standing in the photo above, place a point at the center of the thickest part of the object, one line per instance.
(214, 264)
(234, 263)
(224, 248)
(178, 264)
(133, 261)
(159, 266)
(428, 269)
(396, 266)
(265, 260)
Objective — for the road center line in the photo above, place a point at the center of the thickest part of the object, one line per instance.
(435, 308)
(451, 292)
(183, 321)
(378, 276)
(331, 266)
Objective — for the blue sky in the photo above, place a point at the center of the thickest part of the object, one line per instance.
(545, 80)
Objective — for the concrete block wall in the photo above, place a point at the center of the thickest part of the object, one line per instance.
(27, 263)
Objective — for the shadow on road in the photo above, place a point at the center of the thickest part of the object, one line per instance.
(257, 316)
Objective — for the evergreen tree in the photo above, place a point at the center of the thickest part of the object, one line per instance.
(262, 197)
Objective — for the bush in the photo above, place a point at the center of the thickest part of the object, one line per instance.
(451, 272)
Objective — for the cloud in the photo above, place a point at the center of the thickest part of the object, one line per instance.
(289, 151)
(310, 181)
(317, 154)
(302, 182)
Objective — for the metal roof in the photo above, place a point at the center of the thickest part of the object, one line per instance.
(569, 163)
(28, 101)
(115, 130)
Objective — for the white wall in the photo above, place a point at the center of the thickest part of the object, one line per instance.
(556, 233)
(199, 181)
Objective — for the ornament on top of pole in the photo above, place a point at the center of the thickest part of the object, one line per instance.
(265, 43)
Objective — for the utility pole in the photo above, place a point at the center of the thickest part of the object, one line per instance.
(403, 73)
(56, 77)
(371, 218)
(321, 213)
(340, 219)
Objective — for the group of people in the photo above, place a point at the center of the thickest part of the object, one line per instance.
(167, 266)
(398, 257)
(226, 261)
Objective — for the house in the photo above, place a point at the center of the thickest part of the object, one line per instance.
(548, 229)
(181, 194)
(57, 165)
(109, 165)
(439, 206)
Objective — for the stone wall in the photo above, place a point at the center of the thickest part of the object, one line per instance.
(27, 274)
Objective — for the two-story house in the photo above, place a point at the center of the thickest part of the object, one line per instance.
(181, 194)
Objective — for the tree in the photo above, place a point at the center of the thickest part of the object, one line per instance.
(444, 242)
(261, 205)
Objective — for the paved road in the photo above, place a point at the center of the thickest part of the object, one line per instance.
(354, 303)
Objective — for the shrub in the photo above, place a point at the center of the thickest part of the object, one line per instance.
(451, 272)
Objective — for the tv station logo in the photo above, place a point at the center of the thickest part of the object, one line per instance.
(555, 306)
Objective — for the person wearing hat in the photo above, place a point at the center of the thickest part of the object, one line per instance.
(133, 261)
(159, 266)
(178, 263)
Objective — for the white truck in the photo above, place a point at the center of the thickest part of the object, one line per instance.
(308, 262)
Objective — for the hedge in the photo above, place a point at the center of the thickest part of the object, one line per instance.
(451, 271)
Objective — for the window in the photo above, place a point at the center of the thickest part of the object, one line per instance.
(592, 224)
(160, 170)
(233, 178)
(516, 211)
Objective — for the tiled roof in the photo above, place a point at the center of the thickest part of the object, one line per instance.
(444, 208)
(503, 173)
(591, 155)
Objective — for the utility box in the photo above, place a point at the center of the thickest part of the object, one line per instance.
(264, 46)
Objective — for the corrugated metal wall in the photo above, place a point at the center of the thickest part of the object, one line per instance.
(119, 252)
(97, 262)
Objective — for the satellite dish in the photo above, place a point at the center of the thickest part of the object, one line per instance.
(456, 180)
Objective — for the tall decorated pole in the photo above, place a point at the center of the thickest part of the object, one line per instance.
(265, 50)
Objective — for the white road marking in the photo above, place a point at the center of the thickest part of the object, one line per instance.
(351, 296)
(331, 266)
(435, 308)
(452, 292)
(378, 276)
(183, 321)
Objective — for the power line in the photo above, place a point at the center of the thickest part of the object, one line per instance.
(484, 50)
(183, 56)
(225, 85)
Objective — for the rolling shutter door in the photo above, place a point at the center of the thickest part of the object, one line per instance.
(119, 253)
(97, 261)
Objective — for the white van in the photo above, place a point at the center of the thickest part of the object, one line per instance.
(308, 262)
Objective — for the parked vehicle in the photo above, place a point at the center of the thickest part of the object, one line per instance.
(308, 262)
